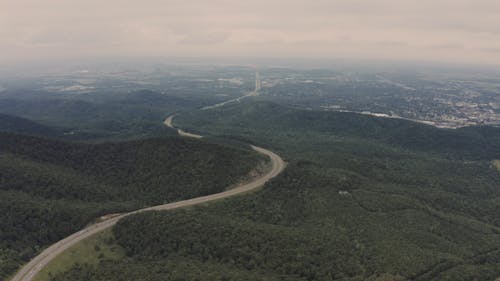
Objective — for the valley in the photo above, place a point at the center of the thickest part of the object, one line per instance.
(66, 185)
(363, 197)
(262, 140)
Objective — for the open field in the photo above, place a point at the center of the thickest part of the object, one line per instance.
(91, 251)
(496, 163)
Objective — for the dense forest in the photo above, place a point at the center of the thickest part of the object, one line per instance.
(479, 142)
(362, 198)
(101, 116)
(51, 188)
(15, 124)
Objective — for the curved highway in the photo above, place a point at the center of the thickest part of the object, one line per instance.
(27, 272)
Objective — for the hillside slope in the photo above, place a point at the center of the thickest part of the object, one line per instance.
(51, 188)
(362, 198)
(19, 125)
(99, 116)
(466, 143)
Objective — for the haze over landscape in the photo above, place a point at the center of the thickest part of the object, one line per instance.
(249, 140)
(465, 31)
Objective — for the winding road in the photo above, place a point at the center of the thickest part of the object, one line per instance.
(27, 272)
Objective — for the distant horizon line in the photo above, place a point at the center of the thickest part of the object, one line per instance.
(257, 61)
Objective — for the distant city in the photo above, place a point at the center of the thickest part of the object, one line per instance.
(442, 98)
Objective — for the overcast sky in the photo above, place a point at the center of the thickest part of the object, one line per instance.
(432, 30)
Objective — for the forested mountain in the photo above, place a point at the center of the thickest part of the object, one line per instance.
(99, 116)
(52, 188)
(479, 142)
(362, 198)
(14, 124)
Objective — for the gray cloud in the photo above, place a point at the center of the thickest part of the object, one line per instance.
(447, 46)
(204, 38)
(491, 50)
(448, 30)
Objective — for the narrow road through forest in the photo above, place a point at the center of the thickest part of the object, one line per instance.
(27, 272)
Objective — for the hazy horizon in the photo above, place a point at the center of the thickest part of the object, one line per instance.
(443, 31)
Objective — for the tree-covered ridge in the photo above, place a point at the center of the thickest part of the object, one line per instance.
(352, 205)
(14, 124)
(137, 170)
(301, 228)
(467, 143)
(51, 188)
(98, 116)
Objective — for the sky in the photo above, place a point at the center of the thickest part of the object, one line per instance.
(461, 31)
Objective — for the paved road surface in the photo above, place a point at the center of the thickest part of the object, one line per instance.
(168, 123)
(36, 264)
(251, 94)
(254, 93)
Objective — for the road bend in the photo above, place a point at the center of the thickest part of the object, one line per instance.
(28, 271)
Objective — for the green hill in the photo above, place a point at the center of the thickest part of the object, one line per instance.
(14, 124)
(51, 188)
(469, 142)
(100, 116)
(362, 198)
